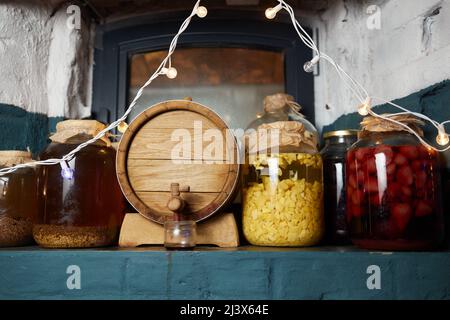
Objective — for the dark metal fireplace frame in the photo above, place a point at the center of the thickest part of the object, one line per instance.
(117, 42)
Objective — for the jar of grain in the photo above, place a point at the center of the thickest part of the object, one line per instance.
(282, 178)
(18, 200)
(81, 204)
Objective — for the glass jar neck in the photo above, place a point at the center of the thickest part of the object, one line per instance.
(393, 138)
(387, 133)
(283, 110)
(337, 140)
(280, 114)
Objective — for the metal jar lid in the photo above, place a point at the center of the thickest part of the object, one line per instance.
(340, 133)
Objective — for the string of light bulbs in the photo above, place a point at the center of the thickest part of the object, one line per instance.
(166, 68)
(365, 107)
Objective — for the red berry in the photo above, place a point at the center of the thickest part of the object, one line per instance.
(421, 179)
(356, 211)
(371, 166)
(400, 159)
(361, 154)
(421, 193)
(417, 165)
(410, 152)
(402, 214)
(391, 169)
(375, 200)
(405, 175)
(350, 156)
(387, 151)
(372, 185)
(407, 191)
(405, 196)
(423, 209)
(357, 197)
(350, 191)
(352, 181)
(393, 190)
(360, 176)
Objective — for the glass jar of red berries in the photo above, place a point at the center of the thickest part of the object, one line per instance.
(393, 188)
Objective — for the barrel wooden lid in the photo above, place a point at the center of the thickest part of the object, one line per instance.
(146, 166)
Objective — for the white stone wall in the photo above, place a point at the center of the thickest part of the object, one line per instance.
(45, 66)
(410, 51)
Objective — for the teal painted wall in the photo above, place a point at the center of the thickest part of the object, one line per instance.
(433, 101)
(245, 273)
(22, 129)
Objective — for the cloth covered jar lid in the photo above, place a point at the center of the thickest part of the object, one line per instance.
(71, 128)
(278, 101)
(10, 158)
(286, 136)
(375, 124)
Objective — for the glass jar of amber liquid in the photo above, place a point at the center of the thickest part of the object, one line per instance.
(81, 203)
(394, 191)
(282, 178)
(18, 200)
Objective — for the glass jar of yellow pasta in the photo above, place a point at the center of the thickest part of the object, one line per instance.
(282, 178)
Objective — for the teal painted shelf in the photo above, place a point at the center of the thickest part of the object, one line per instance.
(212, 273)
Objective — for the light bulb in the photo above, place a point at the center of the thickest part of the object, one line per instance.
(202, 12)
(442, 138)
(122, 127)
(66, 171)
(271, 13)
(364, 108)
(171, 72)
(308, 67)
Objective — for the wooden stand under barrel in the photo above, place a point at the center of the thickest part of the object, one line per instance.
(220, 230)
(161, 147)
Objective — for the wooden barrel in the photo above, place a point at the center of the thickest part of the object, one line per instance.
(177, 142)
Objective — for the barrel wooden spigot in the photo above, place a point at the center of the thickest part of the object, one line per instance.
(176, 203)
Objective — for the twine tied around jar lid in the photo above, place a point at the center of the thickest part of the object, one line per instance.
(285, 136)
(11, 158)
(65, 130)
(281, 136)
(278, 101)
(375, 124)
